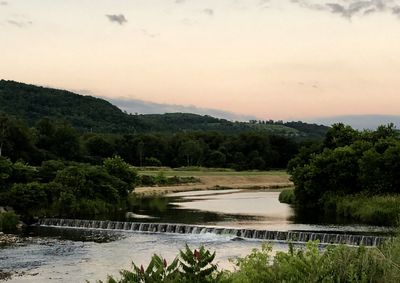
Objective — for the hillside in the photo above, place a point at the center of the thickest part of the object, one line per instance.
(87, 113)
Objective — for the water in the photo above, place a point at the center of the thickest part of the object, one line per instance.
(67, 259)
(97, 248)
(244, 233)
(238, 208)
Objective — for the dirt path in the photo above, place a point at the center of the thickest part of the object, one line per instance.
(228, 182)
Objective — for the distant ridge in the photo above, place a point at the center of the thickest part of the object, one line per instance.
(87, 113)
(361, 122)
(133, 106)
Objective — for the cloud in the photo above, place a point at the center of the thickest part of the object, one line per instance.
(209, 12)
(349, 8)
(264, 3)
(20, 23)
(3, 3)
(148, 34)
(188, 22)
(369, 11)
(309, 5)
(396, 11)
(119, 19)
(180, 1)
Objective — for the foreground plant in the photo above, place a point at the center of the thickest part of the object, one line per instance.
(191, 266)
(334, 264)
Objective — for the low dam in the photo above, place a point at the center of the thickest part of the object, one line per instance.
(266, 235)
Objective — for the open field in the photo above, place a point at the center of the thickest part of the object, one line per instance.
(210, 172)
(217, 180)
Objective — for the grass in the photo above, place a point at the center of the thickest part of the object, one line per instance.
(287, 196)
(310, 264)
(376, 210)
(208, 172)
(211, 178)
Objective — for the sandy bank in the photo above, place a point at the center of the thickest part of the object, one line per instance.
(228, 182)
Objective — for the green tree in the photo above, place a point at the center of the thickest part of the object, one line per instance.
(28, 198)
(66, 142)
(23, 173)
(340, 135)
(98, 146)
(191, 151)
(6, 169)
(117, 167)
(49, 169)
(4, 124)
(216, 159)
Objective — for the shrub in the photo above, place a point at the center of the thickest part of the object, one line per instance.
(190, 267)
(161, 180)
(287, 196)
(306, 264)
(8, 221)
(152, 161)
(376, 210)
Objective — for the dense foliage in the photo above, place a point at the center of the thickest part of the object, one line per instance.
(287, 196)
(87, 114)
(161, 180)
(191, 266)
(63, 154)
(333, 265)
(48, 140)
(65, 189)
(8, 221)
(52, 169)
(350, 163)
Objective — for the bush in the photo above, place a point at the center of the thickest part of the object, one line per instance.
(287, 196)
(190, 267)
(152, 161)
(350, 163)
(117, 167)
(375, 210)
(28, 198)
(309, 264)
(161, 180)
(8, 221)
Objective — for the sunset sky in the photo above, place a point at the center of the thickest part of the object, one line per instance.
(279, 59)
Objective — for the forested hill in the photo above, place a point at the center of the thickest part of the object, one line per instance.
(87, 113)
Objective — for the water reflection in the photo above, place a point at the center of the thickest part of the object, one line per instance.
(74, 255)
(239, 208)
(171, 209)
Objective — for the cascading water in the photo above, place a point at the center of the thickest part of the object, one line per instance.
(281, 236)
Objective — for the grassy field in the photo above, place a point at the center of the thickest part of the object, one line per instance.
(218, 179)
(207, 172)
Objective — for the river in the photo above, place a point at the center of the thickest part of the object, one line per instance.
(75, 255)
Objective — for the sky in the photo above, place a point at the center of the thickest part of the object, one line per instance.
(273, 59)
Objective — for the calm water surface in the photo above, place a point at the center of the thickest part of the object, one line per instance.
(73, 255)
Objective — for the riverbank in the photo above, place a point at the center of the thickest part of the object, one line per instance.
(9, 239)
(224, 180)
(380, 210)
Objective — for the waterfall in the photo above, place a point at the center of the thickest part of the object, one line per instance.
(279, 236)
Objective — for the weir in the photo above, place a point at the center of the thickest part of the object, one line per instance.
(266, 235)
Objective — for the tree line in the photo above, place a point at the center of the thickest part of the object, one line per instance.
(86, 113)
(48, 140)
(53, 170)
(349, 166)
